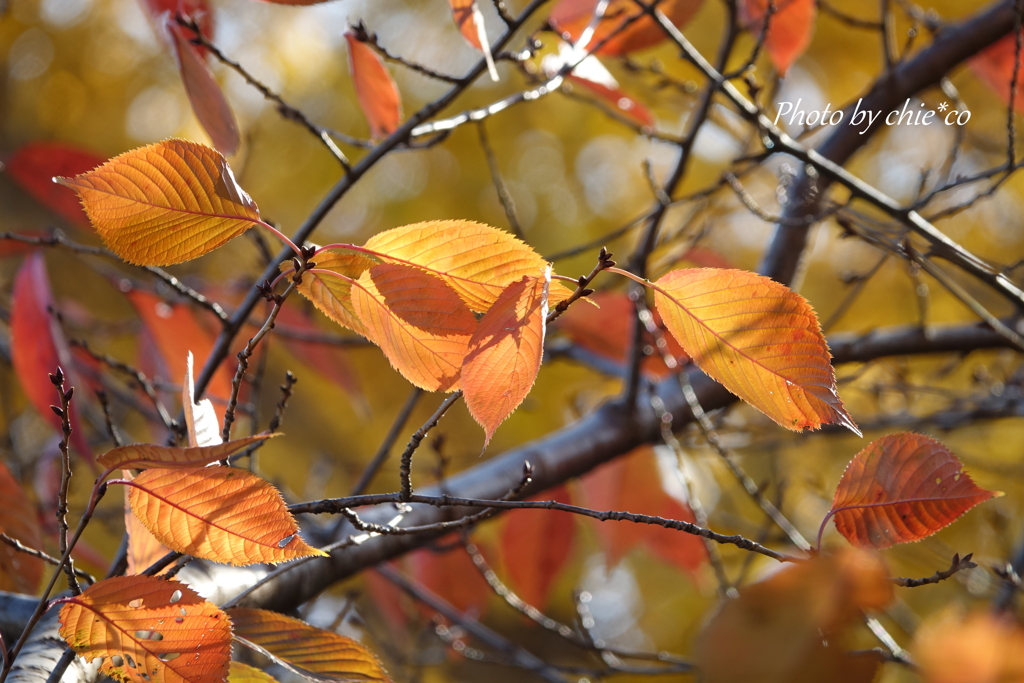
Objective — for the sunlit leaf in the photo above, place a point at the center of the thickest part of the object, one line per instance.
(633, 483)
(333, 295)
(209, 512)
(608, 332)
(474, 259)
(201, 421)
(902, 488)
(146, 456)
(420, 323)
(178, 330)
(38, 346)
(19, 572)
(793, 627)
(204, 94)
(789, 31)
(982, 646)
(994, 66)
(308, 651)
(504, 353)
(760, 340)
(165, 203)
(148, 629)
(376, 90)
(34, 166)
(243, 673)
(572, 17)
(143, 547)
(533, 567)
(470, 22)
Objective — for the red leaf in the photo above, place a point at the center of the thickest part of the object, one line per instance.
(34, 166)
(994, 66)
(18, 572)
(198, 10)
(618, 100)
(572, 17)
(377, 93)
(535, 545)
(608, 332)
(632, 483)
(902, 488)
(204, 93)
(470, 21)
(38, 346)
(177, 330)
(789, 30)
(451, 574)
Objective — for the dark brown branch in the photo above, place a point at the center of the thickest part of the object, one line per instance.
(958, 565)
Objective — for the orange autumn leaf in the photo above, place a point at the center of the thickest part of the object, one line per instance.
(979, 648)
(994, 66)
(572, 17)
(533, 566)
(376, 90)
(209, 511)
(145, 625)
(434, 570)
(243, 673)
(617, 100)
(178, 331)
(333, 295)
(793, 627)
(146, 456)
(38, 347)
(504, 353)
(789, 28)
(474, 259)
(608, 332)
(632, 483)
(34, 166)
(470, 22)
(165, 203)
(420, 323)
(902, 488)
(204, 94)
(143, 548)
(19, 572)
(308, 651)
(757, 338)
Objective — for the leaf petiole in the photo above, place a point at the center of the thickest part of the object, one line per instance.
(281, 236)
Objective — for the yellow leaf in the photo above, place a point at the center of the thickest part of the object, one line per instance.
(144, 456)
(243, 673)
(505, 352)
(165, 203)
(308, 651)
(148, 629)
(333, 295)
(760, 340)
(474, 259)
(223, 514)
(420, 324)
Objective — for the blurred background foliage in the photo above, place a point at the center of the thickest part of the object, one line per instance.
(95, 74)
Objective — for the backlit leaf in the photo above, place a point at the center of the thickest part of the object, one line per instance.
(143, 547)
(145, 628)
(420, 323)
(789, 31)
(633, 483)
(204, 94)
(793, 627)
(243, 673)
(505, 351)
(571, 18)
(608, 332)
(377, 92)
(532, 566)
(902, 488)
(19, 572)
(994, 66)
(470, 22)
(165, 203)
(146, 456)
(333, 295)
(223, 514)
(308, 651)
(978, 647)
(34, 166)
(760, 340)
(38, 346)
(474, 259)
